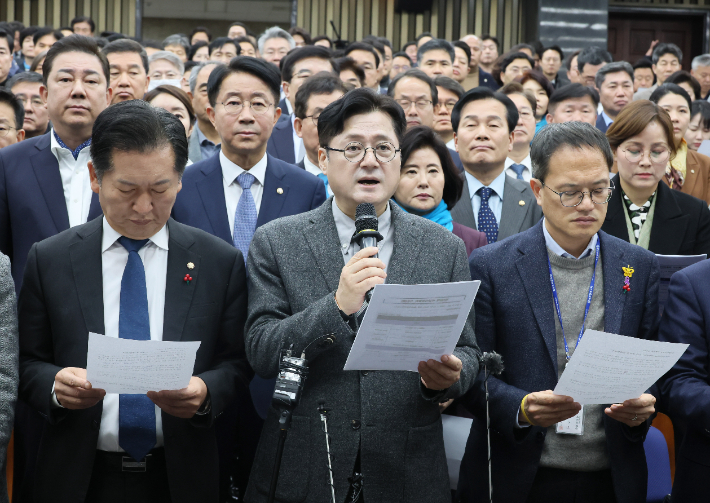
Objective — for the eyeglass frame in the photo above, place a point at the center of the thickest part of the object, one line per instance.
(625, 151)
(582, 192)
(7, 131)
(364, 151)
(414, 102)
(242, 109)
(314, 118)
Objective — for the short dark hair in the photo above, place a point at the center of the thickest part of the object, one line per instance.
(554, 137)
(322, 37)
(20, 77)
(512, 56)
(220, 42)
(437, 44)
(27, 32)
(664, 48)
(375, 42)
(465, 48)
(424, 34)
(244, 38)
(593, 55)
(17, 107)
(494, 39)
(189, 65)
(126, 45)
(356, 102)
(237, 23)
(664, 89)
(422, 137)
(74, 43)
(266, 72)
(348, 63)
(568, 62)
(321, 83)
(415, 73)
(411, 42)
(200, 29)
(538, 77)
(83, 19)
(10, 37)
(449, 84)
(176, 93)
(305, 34)
(555, 48)
(645, 63)
(195, 47)
(136, 126)
(402, 54)
(362, 46)
(569, 92)
(301, 53)
(680, 77)
(615, 67)
(701, 107)
(517, 88)
(484, 93)
(58, 35)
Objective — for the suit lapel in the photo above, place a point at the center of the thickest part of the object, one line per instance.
(271, 200)
(462, 213)
(406, 248)
(512, 214)
(211, 190)
(536, 281)
(323, 240)
(691, 172)
(614, 294)
(95, 207)
(85, 256)
(46, 170)
(669, 223)
(178, 293)
(615, 221)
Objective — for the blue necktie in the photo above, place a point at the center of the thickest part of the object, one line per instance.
(518, 168)
(136, 413)
(486, 219)
(245, 216)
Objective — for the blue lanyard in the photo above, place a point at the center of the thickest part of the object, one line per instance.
(586, 309)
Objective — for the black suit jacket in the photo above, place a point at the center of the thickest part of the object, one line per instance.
(681, 223)
(61, 301)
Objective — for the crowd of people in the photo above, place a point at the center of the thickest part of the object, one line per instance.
(205, 188)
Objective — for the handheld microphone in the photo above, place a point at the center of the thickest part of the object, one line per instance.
(366, 234)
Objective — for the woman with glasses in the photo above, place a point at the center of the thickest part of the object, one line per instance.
(430, 184)
(643, 210)
(687, 171)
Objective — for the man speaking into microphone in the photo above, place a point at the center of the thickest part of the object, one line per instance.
(309, 281)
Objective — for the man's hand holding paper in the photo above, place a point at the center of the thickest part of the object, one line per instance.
(184, 402)
(73, 391)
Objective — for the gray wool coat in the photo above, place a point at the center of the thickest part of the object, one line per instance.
(9, 373)
(294, 269)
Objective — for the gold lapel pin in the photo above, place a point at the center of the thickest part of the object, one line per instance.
(692, 171)
(190, 266)
(521, 203)
(279, 190)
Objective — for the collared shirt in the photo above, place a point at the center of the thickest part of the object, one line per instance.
(495, 202)
(607, 120)
(289, 106)
(451, 144)
(558, 250)
(527, 173)
(74, 171)
(114, 257)
(346, 229)
(299, 151)
(232, 189)
(207, 147)
(315, 170)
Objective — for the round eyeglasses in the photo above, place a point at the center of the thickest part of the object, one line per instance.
(356, 151)
(570, 199)
(235, 106)
(656, 156)
(6, 129)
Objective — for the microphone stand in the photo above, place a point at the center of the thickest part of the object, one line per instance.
(284, 425)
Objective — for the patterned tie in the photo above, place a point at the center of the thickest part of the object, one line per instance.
(136, 413)
(518, 168)
(245, 217)
(486, 219)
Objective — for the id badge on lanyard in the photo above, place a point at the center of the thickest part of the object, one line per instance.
(573, 425)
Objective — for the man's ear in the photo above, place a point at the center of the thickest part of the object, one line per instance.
(95, 184)
(298, 126)
(287, 88)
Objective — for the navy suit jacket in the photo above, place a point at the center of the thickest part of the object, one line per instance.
(280, 143)
(515, 317)
(457, 159)
(201, 201)
(685, 389)
(32, 204)
(601, 124)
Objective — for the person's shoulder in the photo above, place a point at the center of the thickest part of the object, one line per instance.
(520, 185)
(687, 202)
(200, 169)
(636, 253)
(69, 236)
(290, 224)
(697, 158)
(293, 173)
(206, 244)
(501, 252)
(25, 148)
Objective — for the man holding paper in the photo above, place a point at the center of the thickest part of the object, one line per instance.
(307, 283)
(134, 274)
(539, 291)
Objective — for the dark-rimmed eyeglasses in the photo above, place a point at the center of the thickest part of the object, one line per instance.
(356, 151)
(570, 199)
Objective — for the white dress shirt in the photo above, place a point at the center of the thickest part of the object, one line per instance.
(451, 144)
(232, 189)
(495, 201)
(114, 257)
(311, 168)
(527, 172)
(75, 180)
(346, 229)
(298, 150)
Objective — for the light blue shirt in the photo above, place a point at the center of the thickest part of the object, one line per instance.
(607, 120)
(557, 249)
(207, 148)
(495, 202)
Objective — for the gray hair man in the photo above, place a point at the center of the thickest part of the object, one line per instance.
(274, 44)
(165, 68)
(204, 141)
(700, 69)
(615, 83)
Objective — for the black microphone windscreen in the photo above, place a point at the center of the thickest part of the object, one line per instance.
(365, 217)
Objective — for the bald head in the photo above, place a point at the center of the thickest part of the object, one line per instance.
(474, 43)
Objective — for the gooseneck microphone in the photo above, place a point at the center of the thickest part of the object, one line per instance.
(366, 234)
